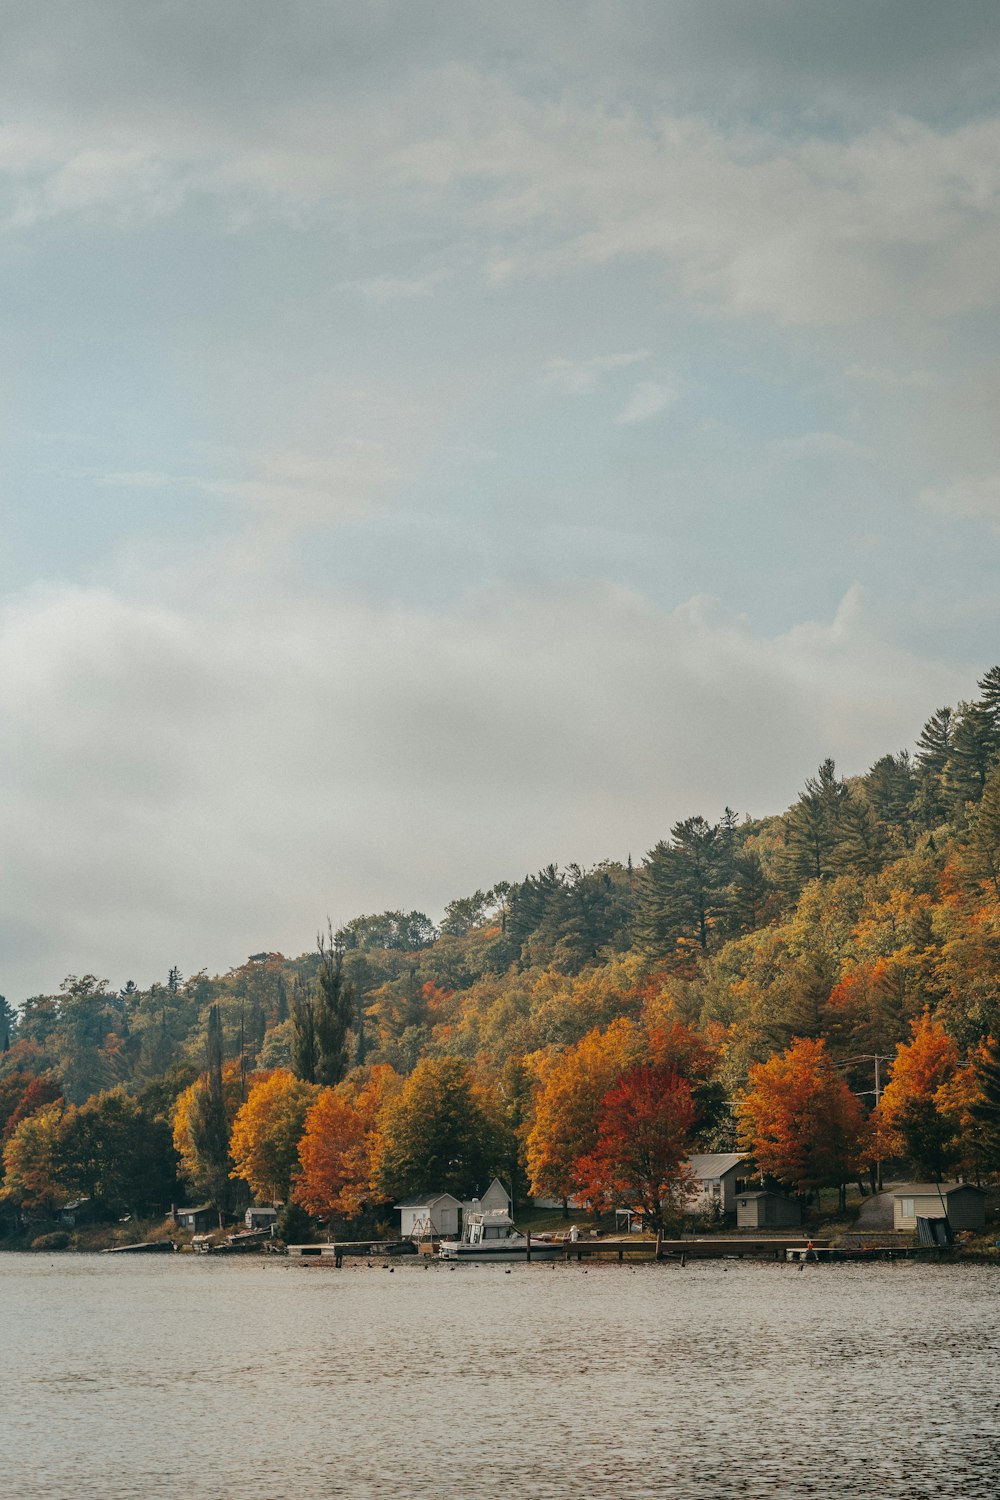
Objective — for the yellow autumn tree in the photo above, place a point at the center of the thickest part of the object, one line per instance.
(31, 1158)
(264, 1144)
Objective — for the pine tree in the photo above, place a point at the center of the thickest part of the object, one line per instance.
(986, 1109)
(971, 756)
(304, 1054)
(680, 893)
(209, 1125)
(333, 1011)
(933, 753)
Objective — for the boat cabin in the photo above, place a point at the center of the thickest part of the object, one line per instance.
(492, 1226)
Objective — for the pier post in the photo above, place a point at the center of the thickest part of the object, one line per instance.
(527, 1253)
(659, 1244)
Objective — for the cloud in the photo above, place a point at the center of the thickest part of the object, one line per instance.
(972, 497)
(647, 400)
(210, 769)
(297, 489)
(579, 377)
(889, 219)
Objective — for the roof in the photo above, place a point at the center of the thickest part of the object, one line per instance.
(715, 1163)
(934, 1189)
(199, 1208)
(428, 1201)
(73, 1203)
(767, 1193)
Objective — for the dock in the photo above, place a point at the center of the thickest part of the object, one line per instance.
(621, 1248)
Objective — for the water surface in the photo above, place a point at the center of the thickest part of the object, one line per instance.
(134, 1378)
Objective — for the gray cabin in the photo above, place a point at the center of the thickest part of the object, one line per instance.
(717, 1174)
(762, 1209)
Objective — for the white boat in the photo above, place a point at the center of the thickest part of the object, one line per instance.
(490, 1234)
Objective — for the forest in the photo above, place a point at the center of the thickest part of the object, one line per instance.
(820, 988)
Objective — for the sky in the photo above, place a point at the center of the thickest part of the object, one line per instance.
(440, 440)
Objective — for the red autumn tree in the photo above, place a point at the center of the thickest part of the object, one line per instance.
(643, 1138)
(799, 1120)
(37, 1093)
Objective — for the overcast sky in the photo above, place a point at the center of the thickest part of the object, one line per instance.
(441, 439)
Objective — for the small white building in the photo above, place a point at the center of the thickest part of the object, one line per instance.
(435, 1216)
(258, 1216)
(716, 1176)
(961, 1203)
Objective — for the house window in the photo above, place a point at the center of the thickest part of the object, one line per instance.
(907, 1208)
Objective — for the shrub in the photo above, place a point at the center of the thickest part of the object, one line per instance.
(58, 1240)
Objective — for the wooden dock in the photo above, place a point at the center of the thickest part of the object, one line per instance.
(621, 1248)
(709, 1247)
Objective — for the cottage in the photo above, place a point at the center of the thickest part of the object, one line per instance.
(962, 1204)
(435, 1216)
(496, 1197)
(259, 1216)
(766, 1210)
(197, 1219)
(718, 1176)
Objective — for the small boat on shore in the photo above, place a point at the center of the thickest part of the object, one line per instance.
(490, 1234)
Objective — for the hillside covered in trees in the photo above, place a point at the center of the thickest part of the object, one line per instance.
(749, 982)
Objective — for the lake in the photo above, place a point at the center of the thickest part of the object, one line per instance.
(174, 1375)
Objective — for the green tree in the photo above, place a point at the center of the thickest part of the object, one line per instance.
(209, 1121)
(334, 1014)
(933, 753)
(680, 895)
(985, 1108)
(442, 1133)
(111, 1151)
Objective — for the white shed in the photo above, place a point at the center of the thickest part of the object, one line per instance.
(962, 1204)
(434, 1216)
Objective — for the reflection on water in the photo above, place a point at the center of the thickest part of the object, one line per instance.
(724, 1379)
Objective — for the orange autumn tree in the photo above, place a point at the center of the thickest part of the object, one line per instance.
(339, 1145)
(264, 1144)
(571, 1086)
(799, 1120)
(644, 1132)
(913, 1118)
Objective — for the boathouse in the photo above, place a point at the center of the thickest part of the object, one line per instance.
(961, 1203)
(203, 1216)
(496, 1196)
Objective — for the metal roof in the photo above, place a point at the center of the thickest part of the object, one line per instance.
(715, 1163)
(933, 1189)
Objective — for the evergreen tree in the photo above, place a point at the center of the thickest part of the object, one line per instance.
(971, 756)
(209, 1125)
(334, 1012)
(933, 753)
(812, 827)
(986, 1109)
(681, 894)
(304, 1052)
(891, 788)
